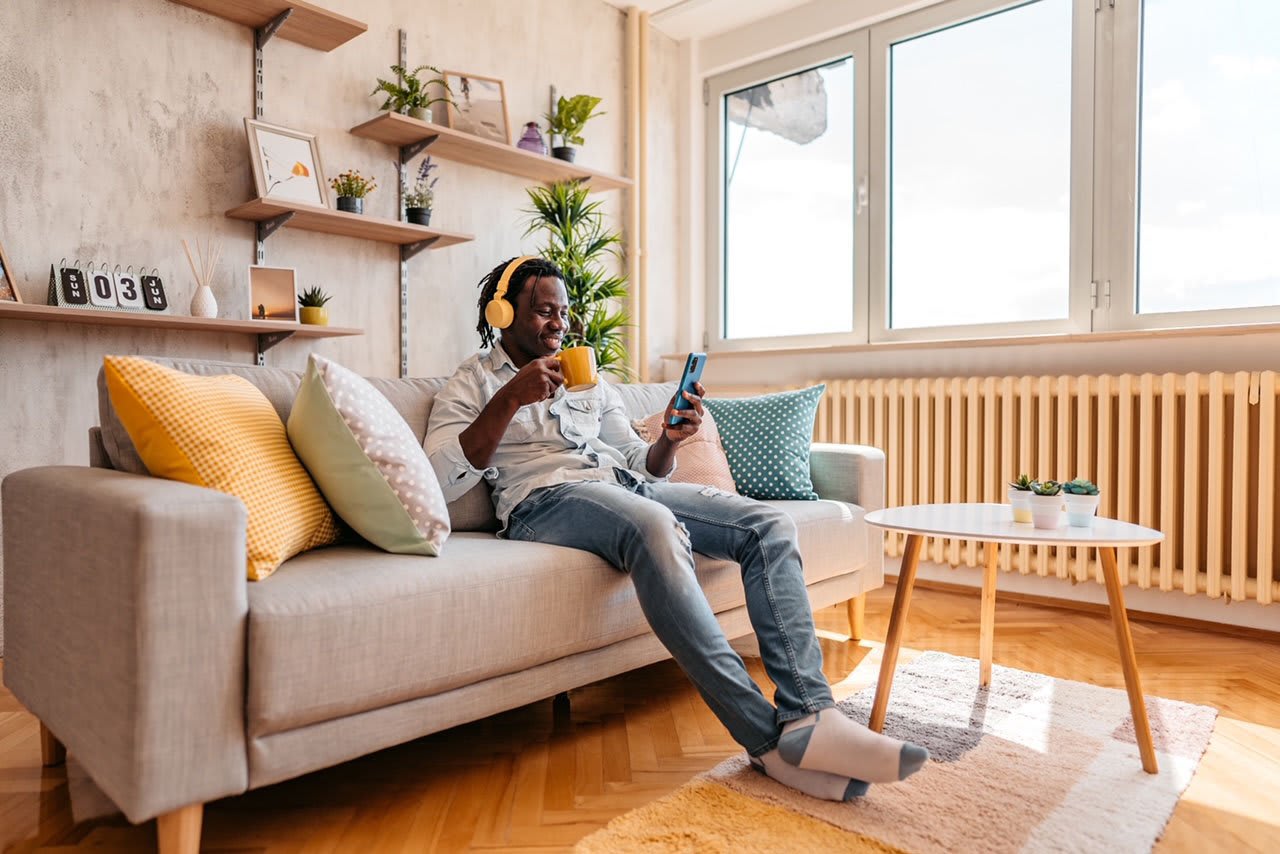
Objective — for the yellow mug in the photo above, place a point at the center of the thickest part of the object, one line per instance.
(578, 364)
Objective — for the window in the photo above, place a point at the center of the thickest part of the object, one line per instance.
(1002, 168)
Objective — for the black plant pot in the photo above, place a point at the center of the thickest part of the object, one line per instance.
(564, 152)
(418, 216)
(351, 204)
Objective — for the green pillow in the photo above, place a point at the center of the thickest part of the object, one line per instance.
(767, 439)
(366, 461)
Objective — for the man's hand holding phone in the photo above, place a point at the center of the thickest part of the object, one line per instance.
(684, 423)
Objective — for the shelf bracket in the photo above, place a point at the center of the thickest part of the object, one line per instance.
(408, 250)
(262, 35)
(267, 340)
(413, 149)
(268, 227)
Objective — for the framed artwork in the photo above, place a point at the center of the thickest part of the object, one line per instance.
(273, 292)
(8, 285)
(479, 106)
(286, 164)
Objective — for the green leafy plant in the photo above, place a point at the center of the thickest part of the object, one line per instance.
(352, 183)
(313, 297)
(421, 193)
(1080, 486)
(1024, 483)
(1046, 487)
(570, 115)
(408, 91)
(576, 240)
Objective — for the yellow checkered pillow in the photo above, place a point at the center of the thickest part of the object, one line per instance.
(220, 432)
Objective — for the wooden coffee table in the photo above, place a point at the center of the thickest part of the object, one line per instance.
(993, 524)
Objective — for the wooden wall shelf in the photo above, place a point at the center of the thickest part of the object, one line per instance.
(308, 25)
(312, 218)
(448, 144)
(153, 320)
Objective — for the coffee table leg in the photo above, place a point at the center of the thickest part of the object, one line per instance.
(987, 624)
(1128, 663)
(897, 625)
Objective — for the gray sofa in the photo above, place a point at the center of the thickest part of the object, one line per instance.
(136, 640)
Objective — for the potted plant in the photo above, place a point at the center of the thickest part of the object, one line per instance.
(408, 93)
(1020, 498)
(576, 239)
(1081, 497)
(1046, 504)
(419, 197)
(313, 312)
(351, 188)
(567, 121)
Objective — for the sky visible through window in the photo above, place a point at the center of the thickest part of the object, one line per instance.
(980, 177)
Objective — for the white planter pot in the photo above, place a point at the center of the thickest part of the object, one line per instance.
(1020, 502)
(1046, 511)
(1081, 509)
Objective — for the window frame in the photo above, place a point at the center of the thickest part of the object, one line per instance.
(854, 45)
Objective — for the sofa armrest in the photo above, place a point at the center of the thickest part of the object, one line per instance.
(852, 473)
(127, 610)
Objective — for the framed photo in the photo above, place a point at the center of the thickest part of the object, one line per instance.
(286, 164)
(274, 293)
(8, 285)
(479, 106)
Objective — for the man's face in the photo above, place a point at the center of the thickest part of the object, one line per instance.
(542, 318)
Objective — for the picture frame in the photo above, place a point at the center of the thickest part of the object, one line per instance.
(8, 284)
(478, 106)
(286, 164)
(273, 293)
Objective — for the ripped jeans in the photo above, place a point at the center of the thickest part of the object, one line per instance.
(650, 530)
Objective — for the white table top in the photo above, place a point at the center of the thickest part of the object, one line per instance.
(993, 523)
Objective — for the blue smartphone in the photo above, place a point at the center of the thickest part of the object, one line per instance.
(692, 374)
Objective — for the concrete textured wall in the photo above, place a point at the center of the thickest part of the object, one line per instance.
(123, 133)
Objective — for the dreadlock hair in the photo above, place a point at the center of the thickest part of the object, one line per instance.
(533, 269)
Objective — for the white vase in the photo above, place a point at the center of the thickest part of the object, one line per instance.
(1046, 511)
(203, 303)
(1081, 509)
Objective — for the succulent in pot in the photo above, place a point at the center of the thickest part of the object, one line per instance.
(1020, 498)
(312, 302)
(1081, 497)
(1046, 504)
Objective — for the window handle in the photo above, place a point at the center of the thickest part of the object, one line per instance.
(862, 195)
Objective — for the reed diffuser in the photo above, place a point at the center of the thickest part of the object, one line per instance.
(203, 303)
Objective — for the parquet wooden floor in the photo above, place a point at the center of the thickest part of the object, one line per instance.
(541, 777)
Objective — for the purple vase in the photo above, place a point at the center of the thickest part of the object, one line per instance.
(532, 140)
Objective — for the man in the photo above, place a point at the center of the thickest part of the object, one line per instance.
(568, 469)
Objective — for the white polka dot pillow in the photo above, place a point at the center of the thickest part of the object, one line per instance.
(366, 461)
(698, 460)
(767, 440)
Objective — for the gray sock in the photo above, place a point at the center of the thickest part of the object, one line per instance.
(816, 784)
(828, 741)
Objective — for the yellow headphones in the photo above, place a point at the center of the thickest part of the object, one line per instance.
(499, 313)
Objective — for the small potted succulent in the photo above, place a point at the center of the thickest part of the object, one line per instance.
(570, 115)
(420, 196)
(351, 188)
(1020, 498)
(1082, 499)
(313, 312)
(1046, 504)
(408, 93)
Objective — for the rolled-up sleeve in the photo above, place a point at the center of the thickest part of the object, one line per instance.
(617, 432)
(455, 408)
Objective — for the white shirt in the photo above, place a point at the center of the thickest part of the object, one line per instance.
(570, 436)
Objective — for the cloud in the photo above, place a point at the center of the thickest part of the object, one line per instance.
(1236, 68)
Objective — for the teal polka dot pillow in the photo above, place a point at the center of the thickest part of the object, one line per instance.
(767, 439)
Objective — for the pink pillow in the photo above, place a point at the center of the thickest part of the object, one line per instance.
(700, 459)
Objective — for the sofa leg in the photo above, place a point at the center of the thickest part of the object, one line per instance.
(179, 831)
(51, 750)
(857, 609)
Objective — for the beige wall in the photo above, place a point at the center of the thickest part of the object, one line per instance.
(123, 133)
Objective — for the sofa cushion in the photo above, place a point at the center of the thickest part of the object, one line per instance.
(377, 629)
(411, 396)
(767, 441)
(368, 464)
(221, 433)
(699, 459)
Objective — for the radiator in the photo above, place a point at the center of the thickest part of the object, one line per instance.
(1192, 455)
